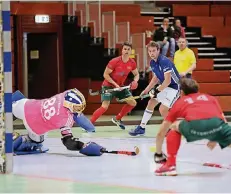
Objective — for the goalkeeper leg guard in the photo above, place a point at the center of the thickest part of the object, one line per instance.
(16, 96)
(84, 122)
(23, 145)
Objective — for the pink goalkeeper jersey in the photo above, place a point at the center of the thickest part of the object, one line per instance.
(48, 114)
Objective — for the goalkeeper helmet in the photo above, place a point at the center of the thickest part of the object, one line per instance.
(74, 101)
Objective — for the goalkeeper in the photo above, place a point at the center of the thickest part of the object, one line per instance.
(58, 112)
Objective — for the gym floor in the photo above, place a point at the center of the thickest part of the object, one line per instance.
(62, 171)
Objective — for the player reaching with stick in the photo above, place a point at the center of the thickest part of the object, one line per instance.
(164, 73)
(202, 119)
(56, 113)
(115, 75)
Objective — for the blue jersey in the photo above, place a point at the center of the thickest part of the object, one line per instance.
(162, 66)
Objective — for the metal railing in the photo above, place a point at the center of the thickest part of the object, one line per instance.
(109, 18)
(127, 33)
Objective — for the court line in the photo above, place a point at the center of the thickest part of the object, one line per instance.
(95, 183)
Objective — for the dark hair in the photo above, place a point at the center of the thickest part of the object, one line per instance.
(127, 44)
(176, 20)
(153, 44)
(189, 86)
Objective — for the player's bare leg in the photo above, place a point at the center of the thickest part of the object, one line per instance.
(100, 111)
(173, 145)
(124, 111)
(163, 110)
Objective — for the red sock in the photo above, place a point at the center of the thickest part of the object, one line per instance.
(125, 110)
(97, 114)
(173, 144)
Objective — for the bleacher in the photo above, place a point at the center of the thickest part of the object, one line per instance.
(207, 27)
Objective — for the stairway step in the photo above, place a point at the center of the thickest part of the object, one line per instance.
(220, 89)
(208, 76)
(159, 23)
(204, 65)
(199, 44)
(208, 36)
(212, 55)
(193, 38)
(222, 60)
(206, 49)
(222, 65)
(190, 33)
(155, 14)
(161, 18)
(193, 30)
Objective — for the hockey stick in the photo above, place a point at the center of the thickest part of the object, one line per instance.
(133, 98)
(129, 153)
(208, 164)
(215, 165)
(107, 90)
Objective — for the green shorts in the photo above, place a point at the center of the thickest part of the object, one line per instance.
(119, 94)
(213, 129)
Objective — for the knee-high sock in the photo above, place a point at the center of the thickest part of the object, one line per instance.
(97, 114)
(146, 117)
(124, 111)
(173, 144)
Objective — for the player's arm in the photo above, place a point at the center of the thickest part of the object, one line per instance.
(167, 69)
(134, 84)
(73, 144)
(152, 83)
(107, 77)
(167, 81)
(69, 141)
(136, 75)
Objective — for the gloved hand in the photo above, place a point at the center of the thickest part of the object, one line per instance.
(91, 149)
(153, 92)
(133, 85)
(160, 158)
(144, 92)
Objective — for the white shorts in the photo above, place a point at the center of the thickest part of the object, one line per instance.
(18, 111)
(168, 96)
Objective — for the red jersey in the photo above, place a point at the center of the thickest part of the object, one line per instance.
(195, 106)
(120, 70)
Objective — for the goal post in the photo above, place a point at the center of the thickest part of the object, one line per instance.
(6, 120)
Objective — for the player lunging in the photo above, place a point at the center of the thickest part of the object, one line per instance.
(115, 75)
(164, 73)
(202, 119)
(56, 113)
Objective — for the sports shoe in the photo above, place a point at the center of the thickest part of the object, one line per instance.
(138, 131)
(119, 123)
(166, 170)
